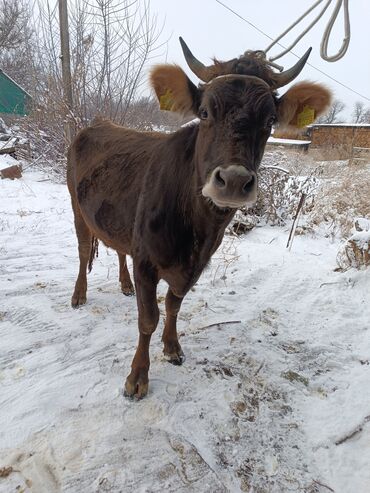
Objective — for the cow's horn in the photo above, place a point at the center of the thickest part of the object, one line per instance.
(204, 73)
(287, 76)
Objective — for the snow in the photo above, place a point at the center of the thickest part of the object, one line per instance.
(274, 394)
(191, 122)
(275, 140)
(362, 224)
(6, 160)
(362, 239)
(339, 125)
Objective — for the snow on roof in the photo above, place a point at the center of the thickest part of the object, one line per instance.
(191, 122)
(340, 125)
(274, 140)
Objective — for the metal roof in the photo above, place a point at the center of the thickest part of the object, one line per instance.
(13, 98)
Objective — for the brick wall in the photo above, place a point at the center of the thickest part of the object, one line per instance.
(340, 139)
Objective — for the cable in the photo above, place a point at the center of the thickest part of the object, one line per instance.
(245, 20)
(336, 80)
(309, 64)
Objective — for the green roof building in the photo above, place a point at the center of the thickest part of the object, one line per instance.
(13, 98)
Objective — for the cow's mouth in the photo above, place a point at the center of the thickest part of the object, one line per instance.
(229, 205)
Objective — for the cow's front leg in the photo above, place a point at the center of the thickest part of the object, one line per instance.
(171, 346)
(146, 281)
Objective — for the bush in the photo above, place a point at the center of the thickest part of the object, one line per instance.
(279, 193)
(355, 252)
(342, 195)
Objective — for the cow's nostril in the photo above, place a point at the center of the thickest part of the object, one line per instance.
(220, 182)
(249, 184)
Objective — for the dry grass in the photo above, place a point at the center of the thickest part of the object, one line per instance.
(337, 193)
(282, 180)
(224, 259)
(343, 195)
(355, 252)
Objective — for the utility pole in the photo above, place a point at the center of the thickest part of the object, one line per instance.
(69, 127)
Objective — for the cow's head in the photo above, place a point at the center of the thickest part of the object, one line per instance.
(236, 112)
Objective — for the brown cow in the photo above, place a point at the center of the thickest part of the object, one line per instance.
(166, 199)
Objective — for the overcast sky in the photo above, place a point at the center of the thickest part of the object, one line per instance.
(211, 30)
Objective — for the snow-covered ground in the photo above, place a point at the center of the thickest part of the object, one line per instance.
(274, 395)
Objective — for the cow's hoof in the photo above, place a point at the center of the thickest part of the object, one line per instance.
(78, 300)
(136, 389)
(176, 359)
(128, 290)
(174, 354)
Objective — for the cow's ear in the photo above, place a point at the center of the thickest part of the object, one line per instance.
(302, 104)
(174, 90)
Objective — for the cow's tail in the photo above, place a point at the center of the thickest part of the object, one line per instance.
(94, 252)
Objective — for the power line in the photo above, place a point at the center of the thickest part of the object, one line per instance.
(310, 64)
(338, 82)
(248, 22)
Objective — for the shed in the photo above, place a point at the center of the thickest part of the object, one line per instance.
(13, 98)
(295, 144)
(343, 139)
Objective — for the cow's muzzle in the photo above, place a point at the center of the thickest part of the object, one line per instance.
(234, 186)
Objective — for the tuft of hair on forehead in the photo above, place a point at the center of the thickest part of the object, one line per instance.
(174, 90)
(250, 63)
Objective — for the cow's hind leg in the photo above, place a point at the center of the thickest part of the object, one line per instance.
(172, 349)
(146, 281)
(84, 238)
(124, 276)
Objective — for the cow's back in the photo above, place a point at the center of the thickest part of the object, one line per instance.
(105, 171)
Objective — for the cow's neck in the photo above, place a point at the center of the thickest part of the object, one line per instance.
(182, 230)
(206, 220)
(189, 183)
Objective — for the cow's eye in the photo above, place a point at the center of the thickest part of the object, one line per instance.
(203, 114)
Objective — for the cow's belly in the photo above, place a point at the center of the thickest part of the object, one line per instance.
(107, 195)
(110, 221)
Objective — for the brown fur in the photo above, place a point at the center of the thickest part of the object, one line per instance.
(303, 94)
(172, 81)
(141, 193)
(250, 63)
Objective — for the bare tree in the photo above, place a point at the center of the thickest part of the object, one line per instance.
(144, 114)
(14, 15)
(366, 116)
(358, 111)
(360, 114)
(16, 41)
(332, 115)
(111, 41)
